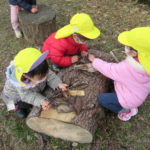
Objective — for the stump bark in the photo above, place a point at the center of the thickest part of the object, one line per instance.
(37, 27)
(79, 124)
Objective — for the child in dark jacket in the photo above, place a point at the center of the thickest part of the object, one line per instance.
(67, 43)
(15, 6)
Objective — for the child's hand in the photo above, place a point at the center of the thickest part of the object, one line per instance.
(63, 86)
(74, 59)
(91, 57)
(34, 9)
(84, 53)
(18, 8)
(45, 105)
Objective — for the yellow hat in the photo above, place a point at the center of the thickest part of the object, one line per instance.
(27, 60)
(80, 23)
(139, 39)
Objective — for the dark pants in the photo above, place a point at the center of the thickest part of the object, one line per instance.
(57, 66)
(22, 109)
(23, 105)
(110, 101)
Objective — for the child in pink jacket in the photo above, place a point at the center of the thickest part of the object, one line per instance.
(131, 76)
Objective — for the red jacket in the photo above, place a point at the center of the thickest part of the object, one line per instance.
(59, 49)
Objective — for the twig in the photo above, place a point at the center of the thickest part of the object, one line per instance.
(111, 52)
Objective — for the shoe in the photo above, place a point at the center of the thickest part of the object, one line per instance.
(18, 34)
(125, 116)
(21, 113)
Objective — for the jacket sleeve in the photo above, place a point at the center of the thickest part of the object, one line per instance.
(58, 58)
(31, 97)
(9, 101)
(53, 80)
(24, 5)
(110, 70)
(83, 47)
(62, 61)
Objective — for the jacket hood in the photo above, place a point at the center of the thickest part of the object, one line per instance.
(10, 74)
(141, 75)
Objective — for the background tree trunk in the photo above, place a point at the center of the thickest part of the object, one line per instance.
(37, 27)
(80, 124)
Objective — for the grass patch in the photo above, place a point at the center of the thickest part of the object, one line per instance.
(112, 17)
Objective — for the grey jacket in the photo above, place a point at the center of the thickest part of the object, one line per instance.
(12, 93)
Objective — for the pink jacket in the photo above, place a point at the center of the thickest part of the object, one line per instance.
(131, 82)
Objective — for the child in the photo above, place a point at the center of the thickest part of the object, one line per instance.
(67, 43)
(27, 77)
(131, 76)
(15, 7)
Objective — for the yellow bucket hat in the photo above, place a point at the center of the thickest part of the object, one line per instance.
(139, 39)
(80, 23)
(27, 60)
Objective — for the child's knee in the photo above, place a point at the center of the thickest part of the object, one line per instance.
(101, 99)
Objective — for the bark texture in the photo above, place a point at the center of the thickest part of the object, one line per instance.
(37, 27)
(81, 113)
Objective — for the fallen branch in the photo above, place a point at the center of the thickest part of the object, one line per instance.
(87, 67)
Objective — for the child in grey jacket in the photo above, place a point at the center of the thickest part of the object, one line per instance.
(27, 76)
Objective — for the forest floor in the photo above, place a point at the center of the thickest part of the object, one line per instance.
(112, 17)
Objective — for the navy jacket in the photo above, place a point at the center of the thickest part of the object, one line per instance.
(25, 4)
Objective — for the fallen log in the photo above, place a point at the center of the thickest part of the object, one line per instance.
(77, 117)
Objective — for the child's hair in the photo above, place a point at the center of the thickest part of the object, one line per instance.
(83, 38)
(132, 49)
(40, 70)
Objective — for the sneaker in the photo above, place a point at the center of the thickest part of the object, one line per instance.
(125, 116)
(133, 111)
(21, 113)
(18, 34)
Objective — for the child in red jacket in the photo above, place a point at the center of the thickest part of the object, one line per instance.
(65, 45)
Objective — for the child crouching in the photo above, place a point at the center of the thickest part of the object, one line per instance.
(69, 43)
(131, 76)
(27, 77)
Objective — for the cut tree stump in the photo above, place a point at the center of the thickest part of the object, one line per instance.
(37, 27)
(80, 123)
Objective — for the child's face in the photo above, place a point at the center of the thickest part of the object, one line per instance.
(36, 79)
(78, 40)
(130, 51)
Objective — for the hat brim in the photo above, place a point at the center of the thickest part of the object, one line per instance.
(69, 30)
(64, 32)
(144, 59)
(19, 74)
(123, 38)
(38, 61)
(92, 34)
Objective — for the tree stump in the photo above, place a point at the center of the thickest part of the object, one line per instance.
(79, 124)
(37, 27)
